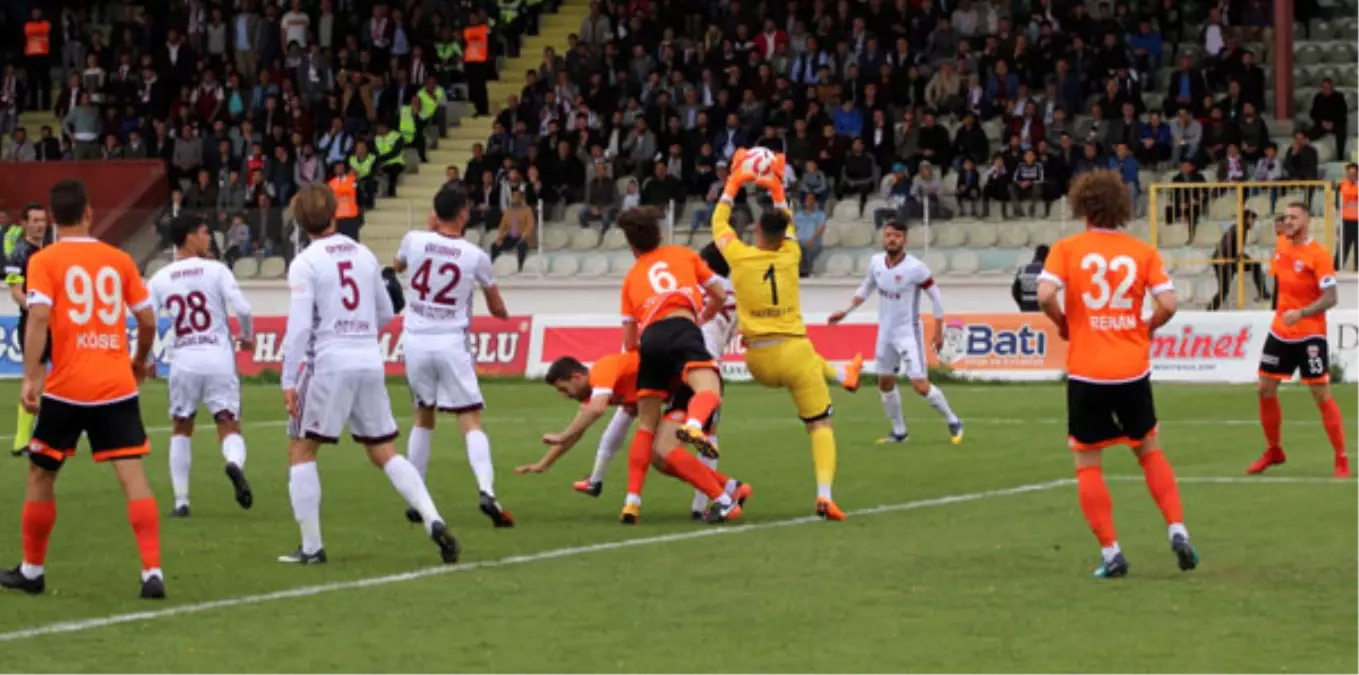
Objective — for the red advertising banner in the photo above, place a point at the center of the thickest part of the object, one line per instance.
(501, 347)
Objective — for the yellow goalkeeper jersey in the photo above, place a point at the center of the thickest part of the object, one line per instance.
(765, 282)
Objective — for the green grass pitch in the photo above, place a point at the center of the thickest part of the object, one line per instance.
(963, 559)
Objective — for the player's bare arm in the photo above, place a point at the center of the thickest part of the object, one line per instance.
(854, 303)
(1327, 300)
(714, 300)
(630, 335)
(35, 342)
(937, 304)
(146, 338)
(16, 293)
(1166, 306)
(589, 413)
(495, 302)
(1047, 301)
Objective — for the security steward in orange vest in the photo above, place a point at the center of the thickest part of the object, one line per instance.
(476, 59)
(1349, 218)
(348, 217)
(38, 60)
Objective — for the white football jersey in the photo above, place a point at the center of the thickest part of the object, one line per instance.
(194, 293)
(444, 273)
(719, 331)
(339, 303)
(898, 288)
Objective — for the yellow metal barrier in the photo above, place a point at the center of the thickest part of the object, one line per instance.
(1195, 216)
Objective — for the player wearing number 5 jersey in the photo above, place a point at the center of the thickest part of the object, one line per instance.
(445, 270)
(1100, 277)
(83, 289)
(333, 372)
(194, 293)
(764, 278)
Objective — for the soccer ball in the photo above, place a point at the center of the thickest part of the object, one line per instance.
(759, 162)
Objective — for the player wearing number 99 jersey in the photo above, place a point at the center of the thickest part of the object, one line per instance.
(333, 372)
(445, 270)
(194, 292)
(1102, 276)
(83, 289)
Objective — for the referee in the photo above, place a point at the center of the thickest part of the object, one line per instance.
(35, 232)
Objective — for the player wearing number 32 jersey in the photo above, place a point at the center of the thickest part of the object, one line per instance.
(194, 292)
(83, 289)
(1100, 277)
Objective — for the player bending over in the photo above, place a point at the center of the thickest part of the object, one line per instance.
(764, 279)
(333, 372)
(612, 381)
(1101, 277)
(16, 270)
(82, 289)
(662, 301)
(440, 368)
(195, 291)
(898, 278)
(1304, 290)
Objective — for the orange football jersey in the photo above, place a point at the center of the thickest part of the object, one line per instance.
(89, 286)
(1105, 276)
(663, 280)
(615, 375)
(1304, 272)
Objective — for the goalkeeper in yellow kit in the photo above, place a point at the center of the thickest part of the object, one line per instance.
(764, 278)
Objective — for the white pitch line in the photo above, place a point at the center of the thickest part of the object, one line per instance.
(319, 589)
(1242, 480)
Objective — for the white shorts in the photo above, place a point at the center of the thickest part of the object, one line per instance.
(220, 393)
(328, 401)
(717, 334)
(902, 353)
(444, 379)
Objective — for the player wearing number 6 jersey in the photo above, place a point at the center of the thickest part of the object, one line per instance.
(764, 278)
(1101, 276)
(195, 292)
(333, 372)
(445, 269)
(83, 289)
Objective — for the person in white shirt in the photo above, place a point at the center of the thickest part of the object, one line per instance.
(445, 271)
(333, 372)
(195, 292)
(296, 25)
(898, 278)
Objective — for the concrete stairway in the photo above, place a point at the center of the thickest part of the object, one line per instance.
(385, 225)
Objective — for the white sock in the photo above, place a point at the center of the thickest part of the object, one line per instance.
(823, 491)
(479, 456)
(30, 571)
(633, 499)
(406, 479)
(153, 572)
(700, 502)
(610, 443)
(1177, 528)
(938, 402)
(233, 449)
(839, 373)
(181, 459)
(891, 405)
(1110, 551)
(304, 489)
(417, 449)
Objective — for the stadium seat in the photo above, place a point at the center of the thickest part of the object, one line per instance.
(584, 239)
(700, 239)
(594, 265)
(614, 240)
(872, 205)
(620, 263)
(535, 265)
(1172, 236)
(830, 238)
(154, 266)
(845, 209)
(949, 235)
(221, 240)
(964, 262)
(839, 264)
(246, 268)
(857, 234)
(273, 268)
(506, 266)
(993, 261)
(936, 261)
(861, 263)
(571, 216)
(556, 237)
(1205, 289)
(920, 236)
(563, 265)
(1012, 235)
(1184, 289)
(981, 235)
(1207, 235)
(488, 238)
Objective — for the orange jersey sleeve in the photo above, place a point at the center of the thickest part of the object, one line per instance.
(1105, 277)
(615, 376)
(1304, 273)
(664, 280)
(89, 285)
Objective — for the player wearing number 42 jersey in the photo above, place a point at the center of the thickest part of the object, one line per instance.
(333, 372)
(444, 270)
(1102, 276)
(1297, 338)
(83, 289)
(194, 292)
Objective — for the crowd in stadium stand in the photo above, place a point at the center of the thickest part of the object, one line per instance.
(875, 99)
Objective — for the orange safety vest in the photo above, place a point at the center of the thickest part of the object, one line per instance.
(1349, 200)
(477, 39)
(37, 41)
(346, 196)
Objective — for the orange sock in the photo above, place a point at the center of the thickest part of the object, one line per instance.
(702, 405)
(1271, 417)
(639, 460)
(693, 472)
(1161, 483)
(1334, 424)
(1096, 504)
(145, 521)
(38, 519)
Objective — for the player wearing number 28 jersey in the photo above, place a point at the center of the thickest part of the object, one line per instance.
(1101, 276)
(83, 289)
(333, 372)
(445, 270)
(194, 292)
